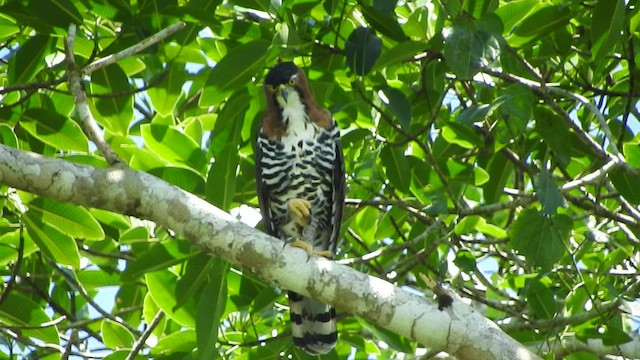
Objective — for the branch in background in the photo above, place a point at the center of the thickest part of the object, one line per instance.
(89, 124)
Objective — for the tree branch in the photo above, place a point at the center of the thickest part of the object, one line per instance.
(458, 329)
(89, 124)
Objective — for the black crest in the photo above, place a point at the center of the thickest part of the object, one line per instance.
(280, 74)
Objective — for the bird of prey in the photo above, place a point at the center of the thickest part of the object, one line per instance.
(300, 183)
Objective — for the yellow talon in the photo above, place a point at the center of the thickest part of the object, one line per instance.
(300, 210)
(309, 248)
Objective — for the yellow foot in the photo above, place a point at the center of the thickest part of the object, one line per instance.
(300, 210)
(309, 248)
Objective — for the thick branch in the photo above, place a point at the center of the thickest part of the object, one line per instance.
(458, 329)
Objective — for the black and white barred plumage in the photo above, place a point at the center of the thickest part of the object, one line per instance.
(298, 156)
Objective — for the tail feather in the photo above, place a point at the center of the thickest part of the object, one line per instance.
(313, 324)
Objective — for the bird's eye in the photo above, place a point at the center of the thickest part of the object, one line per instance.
(273, 88)
(293, 81)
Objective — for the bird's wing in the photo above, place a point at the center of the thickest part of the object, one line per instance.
(338, 195)
(263, 196)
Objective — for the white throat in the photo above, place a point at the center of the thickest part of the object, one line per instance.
(294, 115)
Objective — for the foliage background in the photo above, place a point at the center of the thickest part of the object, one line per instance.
(490, 145)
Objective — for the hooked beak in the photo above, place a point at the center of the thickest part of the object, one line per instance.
(284, 93)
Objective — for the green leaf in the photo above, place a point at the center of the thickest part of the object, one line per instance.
(185, 179)
(174, 146)
(116, 111)
(468, 224)
(159, 256)
(134, 235)
(162, 286)
(555, 133)
(539, 238)
(461, 135)
(8, 27)
(398, 54)
(548, 193)
(20, 311)
(541, 299)
(632, 153)
(93, 279)
(397, 167)
(58, 13)
(607, 20)
(194, 277)
(9, 245)
(221, 180)
(210, 309)
(165, 94)
(513, 12)
(397, 102)
(7, 136)
(626, 184)
(234, 71)
(54, 129)
(115, 336)
(382, 17)
(395, 341)
(28, 60)
(465, 261)
(467, 49)
(539, 24)
(123, 355)
(73, 220)
(178, 342)
(362, 49)
(57, 245)
(262, 5)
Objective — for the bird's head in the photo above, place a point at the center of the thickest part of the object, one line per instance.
(285, 83)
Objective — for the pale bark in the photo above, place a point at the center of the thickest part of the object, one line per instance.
(459, 330)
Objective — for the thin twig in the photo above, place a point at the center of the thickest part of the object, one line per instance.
(137, 346)
(16, 266)
(157, 37)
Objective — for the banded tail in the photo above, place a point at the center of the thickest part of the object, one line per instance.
(313, 324)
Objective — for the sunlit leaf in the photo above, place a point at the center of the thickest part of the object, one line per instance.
(54, 129)
(74, 220)
(234, 71)
(165, 94)
(162, 286)
(56, 244)
(606, 27)
(210, 308)
(112, 98)
(19, 310)
(115, 336)
(173, 146)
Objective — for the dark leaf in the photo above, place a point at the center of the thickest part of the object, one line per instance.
(362, 49)
(540, 238)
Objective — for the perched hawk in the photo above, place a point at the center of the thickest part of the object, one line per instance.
(300, 182)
